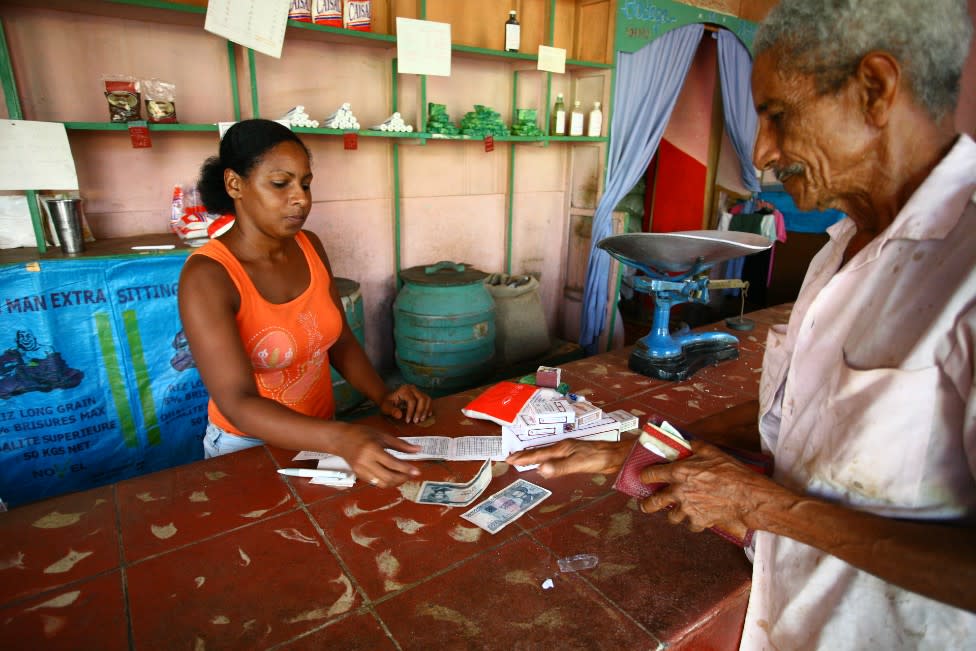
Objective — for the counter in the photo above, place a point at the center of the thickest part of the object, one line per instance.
(226, 553)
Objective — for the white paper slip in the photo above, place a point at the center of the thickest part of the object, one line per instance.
(506, 506)
(325, 461)
(463, 448)
(455, 494)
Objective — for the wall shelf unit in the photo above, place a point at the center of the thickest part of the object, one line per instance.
(251, 86)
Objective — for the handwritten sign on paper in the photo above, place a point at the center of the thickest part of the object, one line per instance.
(35, 156)
(552, 59)
(423, 47)
(256, 24)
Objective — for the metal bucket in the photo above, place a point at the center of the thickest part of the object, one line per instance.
(346, 396)
(444, 326)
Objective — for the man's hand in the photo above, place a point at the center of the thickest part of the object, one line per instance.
(407, 403)
(574, 456)
(709, 489)
(364, 449)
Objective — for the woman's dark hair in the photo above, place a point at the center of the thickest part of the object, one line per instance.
(241, 148)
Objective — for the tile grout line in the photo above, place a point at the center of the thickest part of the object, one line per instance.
(123, 566)
(367, 602)
(610, 602)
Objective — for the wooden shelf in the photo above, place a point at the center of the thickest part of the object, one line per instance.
(104, 248)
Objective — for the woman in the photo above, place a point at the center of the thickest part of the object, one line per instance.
(264, 320)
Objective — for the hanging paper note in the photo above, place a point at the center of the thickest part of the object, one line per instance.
(35, 156)
(256, 24)
(552, 59)
(423, 47)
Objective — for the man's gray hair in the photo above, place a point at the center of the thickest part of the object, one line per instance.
(828, 38)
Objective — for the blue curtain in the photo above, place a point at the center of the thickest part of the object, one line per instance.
(647, 87)
(735, 68)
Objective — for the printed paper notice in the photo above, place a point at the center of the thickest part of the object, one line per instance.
(35, 156)
(423, 47)
(256, 24)
(552, 59)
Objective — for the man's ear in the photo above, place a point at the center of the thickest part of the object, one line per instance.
(232, 183)
(878, 76)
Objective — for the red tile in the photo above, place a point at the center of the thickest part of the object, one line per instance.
(611, 372)
(389, 542)
(85, 615)
(740, 375)
(250, 588)
(447, 419)
(359, 632)
(591, 388)
(496, 601)
(187, 503)
(54, 542)
(722, 629)
(689, 400)
(778, 314)
(666, 577)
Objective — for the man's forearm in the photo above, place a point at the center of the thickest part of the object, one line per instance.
(937, 560)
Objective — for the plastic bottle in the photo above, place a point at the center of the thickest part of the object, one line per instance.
(513, 33)
(576, 120)
(558, 117)
(595, 126)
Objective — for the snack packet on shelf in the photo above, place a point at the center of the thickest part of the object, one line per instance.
(160, 98)
(123, 97)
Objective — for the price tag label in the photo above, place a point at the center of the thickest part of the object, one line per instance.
(139, 134)
(350, 141)
(489, 143)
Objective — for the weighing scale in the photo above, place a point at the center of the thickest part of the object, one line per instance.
(676, 267)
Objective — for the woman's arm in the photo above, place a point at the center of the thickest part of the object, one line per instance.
(349, 358)
(208, 302)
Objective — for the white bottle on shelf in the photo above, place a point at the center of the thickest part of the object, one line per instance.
(595, 126)
(576, 120)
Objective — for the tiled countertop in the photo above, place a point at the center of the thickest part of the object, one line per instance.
(228, 554)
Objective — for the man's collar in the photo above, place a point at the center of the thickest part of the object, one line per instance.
(934, 208)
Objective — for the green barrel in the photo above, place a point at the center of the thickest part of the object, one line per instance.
(347, 397)
(444, 326)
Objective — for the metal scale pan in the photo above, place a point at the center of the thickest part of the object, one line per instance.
(676, 266)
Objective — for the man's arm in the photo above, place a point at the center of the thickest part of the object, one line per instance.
(937, 560)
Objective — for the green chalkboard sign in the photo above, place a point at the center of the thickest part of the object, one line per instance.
(641, 21)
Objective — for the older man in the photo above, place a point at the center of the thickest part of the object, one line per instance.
(866, 538)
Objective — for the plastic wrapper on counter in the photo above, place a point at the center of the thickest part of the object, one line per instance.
(577, 563)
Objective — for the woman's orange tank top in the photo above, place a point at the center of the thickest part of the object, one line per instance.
(287, 343)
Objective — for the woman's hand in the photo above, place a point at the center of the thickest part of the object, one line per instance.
(574, 456)
(407, 403)
(364, 449)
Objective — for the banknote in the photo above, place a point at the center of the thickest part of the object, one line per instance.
(506, 506)
(455, 494)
